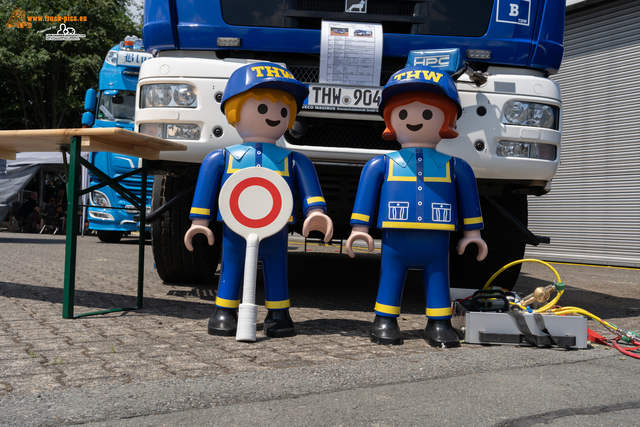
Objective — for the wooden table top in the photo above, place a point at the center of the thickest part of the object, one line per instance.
(115, 140)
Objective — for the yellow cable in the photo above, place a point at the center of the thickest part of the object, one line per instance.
(522, 307)
(568, 310)
(578, 310)
(520, 261)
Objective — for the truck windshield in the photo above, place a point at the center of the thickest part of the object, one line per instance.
(462, 18)
(120, 107)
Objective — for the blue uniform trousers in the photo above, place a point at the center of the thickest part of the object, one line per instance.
(272, 251)
(425, 250)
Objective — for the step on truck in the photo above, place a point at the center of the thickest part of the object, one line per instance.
(113, 105)
(345, 50)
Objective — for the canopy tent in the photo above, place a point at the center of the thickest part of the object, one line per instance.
(17, 174)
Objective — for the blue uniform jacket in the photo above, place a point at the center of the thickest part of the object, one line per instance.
(219, 165)
(420, 189)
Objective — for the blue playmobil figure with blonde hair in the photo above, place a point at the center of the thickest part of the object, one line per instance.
(419, 196)
(261, 101)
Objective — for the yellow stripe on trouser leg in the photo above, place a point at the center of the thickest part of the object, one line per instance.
(387, 309)
(274, 305)
(438, 312)
(227, 303)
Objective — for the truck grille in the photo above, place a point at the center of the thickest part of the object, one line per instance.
(460, 18)
(311, 74)
(307, 74)
(344, 134)
(374, 7)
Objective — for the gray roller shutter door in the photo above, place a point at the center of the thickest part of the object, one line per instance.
(592, 213)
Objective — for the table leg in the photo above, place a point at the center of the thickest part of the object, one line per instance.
(142, 241)
(73, 184)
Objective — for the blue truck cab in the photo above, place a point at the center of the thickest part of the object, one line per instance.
(510, 128)
(113, 105)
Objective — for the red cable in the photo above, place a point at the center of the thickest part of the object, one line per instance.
(599, 339)
(627, 352)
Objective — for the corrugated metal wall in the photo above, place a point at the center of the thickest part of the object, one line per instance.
(592, 213)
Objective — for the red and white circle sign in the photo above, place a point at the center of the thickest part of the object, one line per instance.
(255, 200)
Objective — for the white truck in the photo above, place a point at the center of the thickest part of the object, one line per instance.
(509, 129)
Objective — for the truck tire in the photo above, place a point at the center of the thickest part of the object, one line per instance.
(109, 236)
(174, 263)
(505, 243)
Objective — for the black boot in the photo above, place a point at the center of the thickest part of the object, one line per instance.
(385, 330)
(224, 322)
(440, 333)
(278, 324)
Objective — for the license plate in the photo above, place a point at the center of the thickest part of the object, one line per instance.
(342, 98)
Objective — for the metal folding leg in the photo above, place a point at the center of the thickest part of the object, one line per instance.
(73, 193)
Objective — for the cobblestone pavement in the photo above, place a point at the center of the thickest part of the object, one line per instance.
(332, 298)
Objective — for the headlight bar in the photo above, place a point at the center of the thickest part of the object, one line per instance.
(157, 95)
(179, 131)
(523, 113)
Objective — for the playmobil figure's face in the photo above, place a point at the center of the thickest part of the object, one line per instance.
(417, 124)
(263, 120)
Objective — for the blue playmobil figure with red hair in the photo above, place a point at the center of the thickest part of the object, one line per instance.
(419, 196)
(261, 101)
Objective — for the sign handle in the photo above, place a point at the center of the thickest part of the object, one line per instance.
(248, 312)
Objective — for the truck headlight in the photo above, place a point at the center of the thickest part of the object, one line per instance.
(156, 96)
(152, 129)
(98, 198)
(180, 131)
(171, 130)
(530, 114)
(167, 95)
(101, 215)
(532, 150)
(185, 95)
(112, 57)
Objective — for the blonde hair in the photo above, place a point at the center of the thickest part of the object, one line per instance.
(234, 104)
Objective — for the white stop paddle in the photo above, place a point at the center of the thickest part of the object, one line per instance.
(255, 203)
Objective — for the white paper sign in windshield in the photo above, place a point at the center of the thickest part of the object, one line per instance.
(350, 66)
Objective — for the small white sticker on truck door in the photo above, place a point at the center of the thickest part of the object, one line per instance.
(514, 12)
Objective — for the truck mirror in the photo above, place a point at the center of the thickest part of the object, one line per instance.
(90, 101)
(117, 99)
(87, 119)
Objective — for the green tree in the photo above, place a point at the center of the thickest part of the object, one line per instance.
(43, 82)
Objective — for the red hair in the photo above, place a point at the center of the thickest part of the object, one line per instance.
(448, 107)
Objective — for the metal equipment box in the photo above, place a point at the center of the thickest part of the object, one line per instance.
(493, 327)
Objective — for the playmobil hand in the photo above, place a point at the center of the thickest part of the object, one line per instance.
(317, 221)
(359, 232)
(198, 226)
(473, 236)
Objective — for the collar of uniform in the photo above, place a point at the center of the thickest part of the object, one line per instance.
(439, 159)
(402, 157)
(275, 153)
(238, 151)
